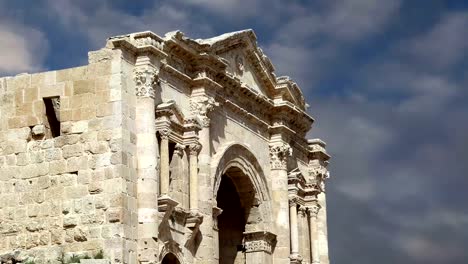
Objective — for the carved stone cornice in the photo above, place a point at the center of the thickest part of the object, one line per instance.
(279, 154)
(145, 80)
(195, 148)
(259, 241)
(316, 148)
(201, 106)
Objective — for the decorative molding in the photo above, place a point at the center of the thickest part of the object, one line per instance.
(145, 80)
(259, 241)
(279, 155)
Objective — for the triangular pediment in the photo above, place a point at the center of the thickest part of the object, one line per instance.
(244, 59)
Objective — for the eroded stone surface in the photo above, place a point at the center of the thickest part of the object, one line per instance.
(207, 121)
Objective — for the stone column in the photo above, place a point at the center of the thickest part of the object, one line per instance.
(304, 247)
(259, 247)
(279, 154)
(164, 179)
(194, 149)
(295, 257)
(145, 78)
(202, 105)
(313, 209)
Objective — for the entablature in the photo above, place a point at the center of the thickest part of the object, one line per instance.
(197, 63)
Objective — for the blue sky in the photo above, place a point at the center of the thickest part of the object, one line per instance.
(387, 82)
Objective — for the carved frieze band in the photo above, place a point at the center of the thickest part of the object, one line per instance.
(201, 106)
(145, 81)
(259, 241)
(279, 155)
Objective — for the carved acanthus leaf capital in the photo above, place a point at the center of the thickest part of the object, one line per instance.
(202, 106)
(279, 155)
(195, 148)
(313, 208)
(259, 241)
(164, 133)
(318, 175)
(145, 81)
(293, 201)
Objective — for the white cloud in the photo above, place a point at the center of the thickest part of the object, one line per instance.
(22, 49)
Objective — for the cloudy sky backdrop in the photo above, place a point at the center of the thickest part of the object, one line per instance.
(387, 82)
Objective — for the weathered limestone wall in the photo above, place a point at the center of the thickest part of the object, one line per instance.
(66, 194)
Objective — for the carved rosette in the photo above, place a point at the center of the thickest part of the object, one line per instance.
(145, 81)
(195, 148)
(201, 107)
(259, 241)
(279, 155)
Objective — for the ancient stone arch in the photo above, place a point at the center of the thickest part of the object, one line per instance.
(237, 157)
(171, 253)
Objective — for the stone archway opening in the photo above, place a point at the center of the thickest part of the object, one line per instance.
(235, 197)
(170, 258)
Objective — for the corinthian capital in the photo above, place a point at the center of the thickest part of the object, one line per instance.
(201, 106)
(145, 80)
(279, 155)
(318, 174)
(313, 207)
(195, 148)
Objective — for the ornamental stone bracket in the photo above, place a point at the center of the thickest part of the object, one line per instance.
(146, 78)
(279, 155)
(259, 241)
(193, 222)
(201, 106)
(216, 212)
(166, 205)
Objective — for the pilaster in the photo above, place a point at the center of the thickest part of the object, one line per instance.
(146, 78)
(279, 155)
